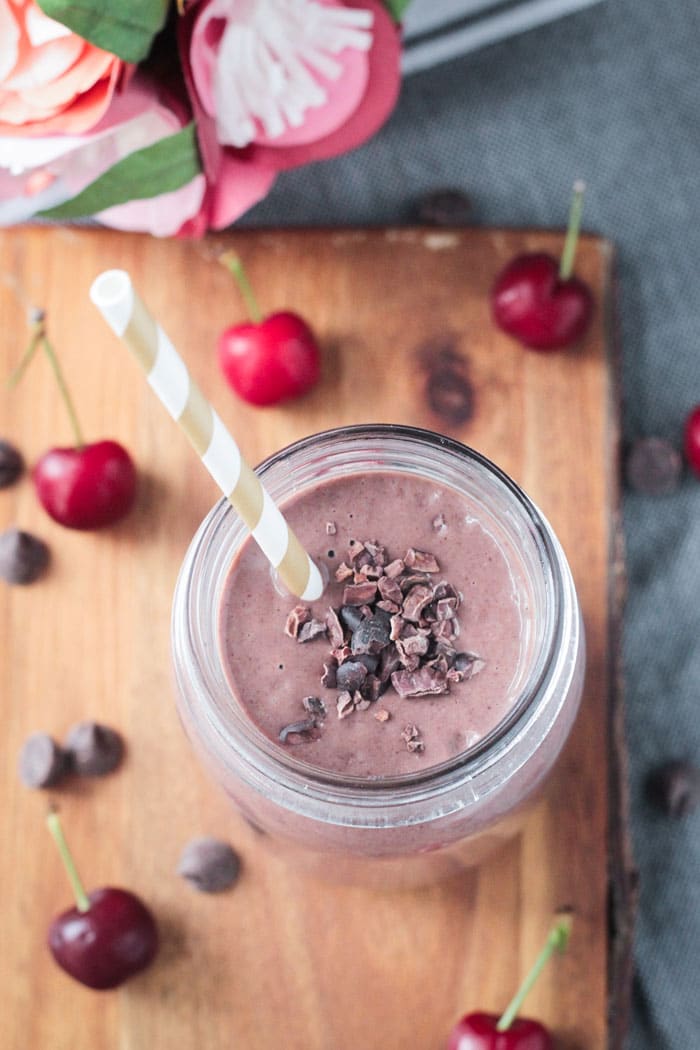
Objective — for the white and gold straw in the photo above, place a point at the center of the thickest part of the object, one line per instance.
(114, 296)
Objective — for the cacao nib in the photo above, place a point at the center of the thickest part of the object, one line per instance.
(312, 629)
(335, 629)
(394, 568)
(421, 560)
(343, 572)
(344, 705)
(469, 664)
(390, 607)
(390, 590)
(331, 528)
(299, 615)
(415, 601)
(351, 616)
(390, 662)
(329, 678)
(370, 636)
(426, 681)
(314, 705)
(359, 593)
(302, 729)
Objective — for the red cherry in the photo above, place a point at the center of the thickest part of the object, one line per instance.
(110, 942)
(271, 361)
(537, 300)
(532, 303)
(691, 439)
(479, 1031)
(86, 487)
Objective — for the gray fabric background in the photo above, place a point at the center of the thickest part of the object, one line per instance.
(611, 94)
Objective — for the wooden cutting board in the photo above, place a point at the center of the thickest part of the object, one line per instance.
(282, 961)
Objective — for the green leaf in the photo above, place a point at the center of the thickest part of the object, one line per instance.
(165, 166)
(396, 8)
(123, 27)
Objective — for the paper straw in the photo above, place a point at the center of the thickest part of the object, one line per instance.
(114, 296)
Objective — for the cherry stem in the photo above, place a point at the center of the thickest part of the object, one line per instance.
(566, 266)
(81, 897)
(556, 942)
(38, 339)
(235, 267)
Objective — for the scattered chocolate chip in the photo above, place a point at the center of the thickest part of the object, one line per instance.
(331, 528)
(351, 616)
(23, 557)
(343, 572)
(382, 715)
(351, 675)
(653, 467)
(314, 705)
(302, 728)
(444, 207)
(299, 615)
(94, 749)
(675, 788)
(42, 762)
(209, 865)
(370, 636)
(11, 464)
(312, 629)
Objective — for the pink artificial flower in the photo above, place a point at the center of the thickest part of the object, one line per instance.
(278, 83)
(51, 80)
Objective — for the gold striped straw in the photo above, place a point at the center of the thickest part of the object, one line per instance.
(114, 296)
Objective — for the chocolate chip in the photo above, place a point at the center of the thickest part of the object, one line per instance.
(302, 728)
(351, 616)
(370, 636)
(11, 464)
(42, 762)
(23, 557)
(444, 207)
(675, 788)
(653, 467)
(94, 749)
(314, 705)
(209, 865)
(351, 675)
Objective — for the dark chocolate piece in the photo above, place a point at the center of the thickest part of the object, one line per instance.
(301, 728)
(11, 464)
(351, 675)
(675, 788)
(351, 616)
(315, 706)
(209, 865)
(94, 749)
(370, 636)
(42, 762)
(444, 207)
(653, 467)
(23, 557)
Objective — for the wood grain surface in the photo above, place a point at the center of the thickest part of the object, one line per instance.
(283, 961)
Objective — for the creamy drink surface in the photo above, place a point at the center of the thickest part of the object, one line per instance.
(271, 673)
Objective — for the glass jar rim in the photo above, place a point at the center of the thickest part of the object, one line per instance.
(264, 759)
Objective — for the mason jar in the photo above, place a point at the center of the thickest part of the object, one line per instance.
(416, 826)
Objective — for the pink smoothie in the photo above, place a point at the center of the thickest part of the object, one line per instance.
(271, 673)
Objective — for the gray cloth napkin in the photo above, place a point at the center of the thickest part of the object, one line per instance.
(612, 95)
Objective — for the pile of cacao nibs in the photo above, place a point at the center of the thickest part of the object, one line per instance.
(397, 627)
